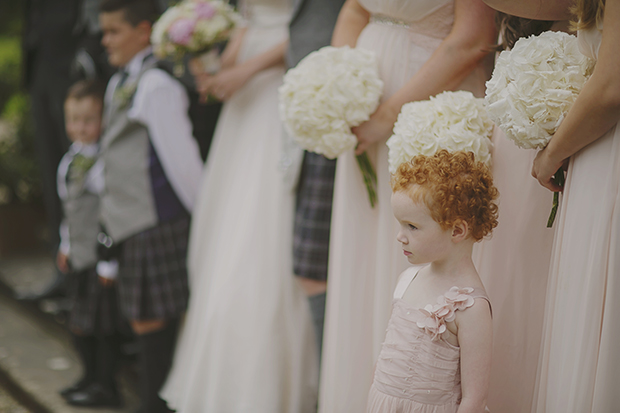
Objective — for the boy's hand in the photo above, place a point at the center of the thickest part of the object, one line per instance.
(62, 262)
(106, 282)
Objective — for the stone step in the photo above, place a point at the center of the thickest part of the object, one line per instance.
(37, 358)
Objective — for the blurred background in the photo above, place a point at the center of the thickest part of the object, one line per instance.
(45, 46)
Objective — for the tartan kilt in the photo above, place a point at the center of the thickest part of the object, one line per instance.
(313, 214)
(152, 280)
(94, 308)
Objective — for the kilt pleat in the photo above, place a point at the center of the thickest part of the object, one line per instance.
(313, 216)
(153, 272)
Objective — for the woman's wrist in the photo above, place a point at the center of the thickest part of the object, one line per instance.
(387, 112)
(554, 155)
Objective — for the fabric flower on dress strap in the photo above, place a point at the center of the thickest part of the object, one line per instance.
(431, 322)
(459, 298)
(434, 317)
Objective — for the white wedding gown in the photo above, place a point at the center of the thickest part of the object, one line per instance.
(247, 345)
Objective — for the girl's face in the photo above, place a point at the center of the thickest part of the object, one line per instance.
(423, 240)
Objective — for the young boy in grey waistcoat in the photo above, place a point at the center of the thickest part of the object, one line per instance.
(152, 168)
(93, 316)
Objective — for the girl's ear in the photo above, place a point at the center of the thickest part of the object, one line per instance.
(460, 231)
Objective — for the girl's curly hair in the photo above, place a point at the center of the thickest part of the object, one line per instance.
(454, 187)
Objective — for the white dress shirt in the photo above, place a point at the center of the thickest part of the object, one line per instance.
(160, 104)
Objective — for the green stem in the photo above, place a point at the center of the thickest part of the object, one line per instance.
(370, 177)
(558, 179)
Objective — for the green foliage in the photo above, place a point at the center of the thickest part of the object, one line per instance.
(19, 175)
(10, 72)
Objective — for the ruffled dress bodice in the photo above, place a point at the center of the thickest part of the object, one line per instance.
(418, 370)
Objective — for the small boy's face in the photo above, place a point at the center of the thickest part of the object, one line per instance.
(83, 119)
(121, 40)
(422, 238)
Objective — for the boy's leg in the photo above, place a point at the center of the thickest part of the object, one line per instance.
(311, 233)
(86, 346)
(156, 339)
(102, 391)
(153, 295)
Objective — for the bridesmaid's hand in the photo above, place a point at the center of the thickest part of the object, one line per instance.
(202, 80)
(224, 84)
(378, 127)
(545, 167)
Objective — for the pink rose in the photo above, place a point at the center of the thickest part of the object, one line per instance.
(181, 31)
(204, 10)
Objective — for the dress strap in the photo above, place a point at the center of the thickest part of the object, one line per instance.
(404, 280)
(480, 293)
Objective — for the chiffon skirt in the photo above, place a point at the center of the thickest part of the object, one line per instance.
(579, 370)
(514, 266)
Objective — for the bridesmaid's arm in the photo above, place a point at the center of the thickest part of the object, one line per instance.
(596, 110)
(230, 53)
(228, 81)
(351, 21)
(534, 9)
(227, 60)
(475, 335)
(470, 41)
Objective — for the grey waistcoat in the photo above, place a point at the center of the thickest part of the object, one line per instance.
(311, 27)
(81, 209)
(127, 203)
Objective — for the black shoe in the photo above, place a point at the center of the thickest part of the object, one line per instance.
(95, 395)
(77, 387)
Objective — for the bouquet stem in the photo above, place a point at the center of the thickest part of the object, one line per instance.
(558, 179)
(370, 177)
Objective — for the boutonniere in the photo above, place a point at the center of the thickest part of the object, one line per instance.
(124, 94)
(80, 166)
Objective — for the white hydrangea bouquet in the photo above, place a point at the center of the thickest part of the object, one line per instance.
(532, 89)
(194, 27)
(325, 95)
(455, 121)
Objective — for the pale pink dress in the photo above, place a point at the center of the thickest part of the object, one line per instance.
(579, 371)
(417, 370)
(365, 258)
(514, 266)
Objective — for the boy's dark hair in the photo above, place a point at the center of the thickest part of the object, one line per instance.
(135, 11)
(87, 88)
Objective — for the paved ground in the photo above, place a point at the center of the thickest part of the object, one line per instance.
(8, 404)
(36, 355)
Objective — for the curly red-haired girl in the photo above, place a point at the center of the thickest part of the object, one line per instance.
(437, 353)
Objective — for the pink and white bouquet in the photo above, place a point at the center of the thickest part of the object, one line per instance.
(194, 27)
